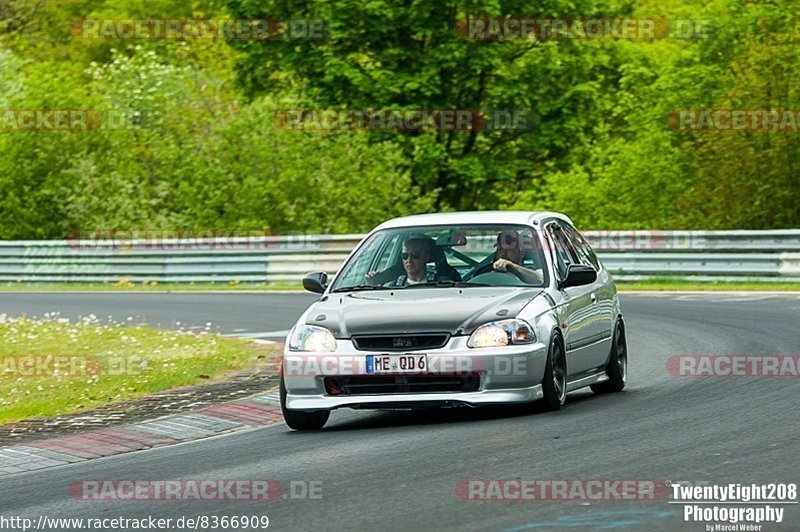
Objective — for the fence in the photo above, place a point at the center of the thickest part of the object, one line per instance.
(629, 255)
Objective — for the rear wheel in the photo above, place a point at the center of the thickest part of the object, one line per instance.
(300, 420)
(617, 368)
(554, 384)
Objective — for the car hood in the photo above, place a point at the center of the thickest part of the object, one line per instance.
(452, 310)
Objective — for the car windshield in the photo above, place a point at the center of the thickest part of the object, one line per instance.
(445, 256)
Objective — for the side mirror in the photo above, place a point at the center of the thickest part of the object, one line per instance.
(579, 275)
(315, 282)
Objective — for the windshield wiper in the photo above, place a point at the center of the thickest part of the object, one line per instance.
(447, 283)
(361, 287)
(439, 284)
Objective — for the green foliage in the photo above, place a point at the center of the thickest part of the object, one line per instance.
(203, 151)
(385, 55)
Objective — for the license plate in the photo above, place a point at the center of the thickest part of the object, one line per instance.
(396, 364)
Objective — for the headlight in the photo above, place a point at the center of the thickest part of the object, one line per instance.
(312, 338)
(503, 332)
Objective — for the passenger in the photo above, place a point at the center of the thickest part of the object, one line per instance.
(509, 257)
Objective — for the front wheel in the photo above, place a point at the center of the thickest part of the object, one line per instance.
(617, 368)
(300, 420)
(554, 384)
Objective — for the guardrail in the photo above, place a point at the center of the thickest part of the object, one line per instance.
(698, 255)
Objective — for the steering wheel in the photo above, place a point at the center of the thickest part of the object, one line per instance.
(498, 279)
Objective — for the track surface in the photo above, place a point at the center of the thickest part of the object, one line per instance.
(398, 470)
(261, 315)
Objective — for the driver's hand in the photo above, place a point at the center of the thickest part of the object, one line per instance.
(368, 278)
(502, 265)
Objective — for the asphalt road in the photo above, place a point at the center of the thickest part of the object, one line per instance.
(257, 315)
(399, 470)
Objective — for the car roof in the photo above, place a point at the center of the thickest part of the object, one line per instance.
(473, 217)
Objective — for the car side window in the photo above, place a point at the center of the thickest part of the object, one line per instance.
(388, 255)
(561, 250)
(378, 245)
(581, 247)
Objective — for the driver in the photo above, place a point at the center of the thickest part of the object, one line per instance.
(509, 257)
(415, 255)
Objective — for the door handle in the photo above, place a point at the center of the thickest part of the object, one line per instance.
(593, 298)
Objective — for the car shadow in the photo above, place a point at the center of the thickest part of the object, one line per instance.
(371, 419)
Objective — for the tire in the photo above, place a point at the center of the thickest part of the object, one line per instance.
(554, 384)
(300, 420)
(617, 368)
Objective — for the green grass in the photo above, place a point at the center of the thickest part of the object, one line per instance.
(667, 285)
(101, 363)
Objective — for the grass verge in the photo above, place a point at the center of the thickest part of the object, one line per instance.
(53, 366)
(669, 285)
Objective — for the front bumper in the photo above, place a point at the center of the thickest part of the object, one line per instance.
(508, 374)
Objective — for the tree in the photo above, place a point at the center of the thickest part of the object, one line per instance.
(385, 55)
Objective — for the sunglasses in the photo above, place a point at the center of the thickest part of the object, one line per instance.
(415, 255)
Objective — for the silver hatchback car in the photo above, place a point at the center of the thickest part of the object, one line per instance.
(456, 309)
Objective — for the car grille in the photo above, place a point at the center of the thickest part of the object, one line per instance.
(400, 342)
(388, 384)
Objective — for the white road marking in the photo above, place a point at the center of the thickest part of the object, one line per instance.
(724, 298)
(269, 334)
